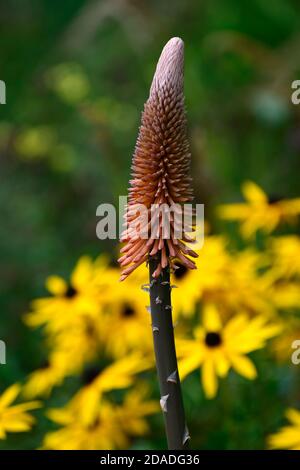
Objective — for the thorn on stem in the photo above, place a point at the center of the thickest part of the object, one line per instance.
(186, 435)
(173, 377)
(163, 403)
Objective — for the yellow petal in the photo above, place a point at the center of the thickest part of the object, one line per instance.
(56, 285)
(18, 425)
(30, 405)
(60, 416)
(248, 228)
(9, 395)
(90, 406)
(209, 378)
(235, 325)
(244, 366)
(293, 416)
(290, 207)
(188, 365)
(222, 364)
(287, 438)
(253, 193)
(237, 211)
(211, 318)
(82, 272)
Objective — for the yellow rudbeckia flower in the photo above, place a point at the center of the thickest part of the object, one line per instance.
(285, 255)
(217, 347)
(90, 282)
(134, 409)
(41, 382)
(212, 264)
(250, 292)
(217, 271)
(287, 437)
(15, 418)
(126, 324)
(104, 433)
(111, 428)
(72, 321)
(259, 211)
(118, 375)
(285, 295)
(70, 350)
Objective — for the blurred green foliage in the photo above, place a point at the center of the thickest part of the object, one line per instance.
(77, 74)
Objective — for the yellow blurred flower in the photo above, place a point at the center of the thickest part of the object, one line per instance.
(218, 270)
(217, 348)
(259, 211)
(41, 382)
(208, 279)
(244, 287)
(15, 418)
(73, 322)
(287, 437)
(104, 433)
(285, 255)
(89, 284)
(118, 375)
(111, 428)
(126, 324)
(134, 409)
(70, 350)
(285, 295)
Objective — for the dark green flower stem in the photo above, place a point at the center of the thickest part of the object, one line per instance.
(166, 361)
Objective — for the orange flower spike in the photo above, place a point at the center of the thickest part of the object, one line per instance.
(160, 170)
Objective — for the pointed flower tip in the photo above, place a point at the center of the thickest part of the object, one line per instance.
(175, 44)
(169, 68)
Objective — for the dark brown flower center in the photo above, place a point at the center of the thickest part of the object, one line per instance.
(45, 364)
(94, 425)
(274, 198)
(89, 375)
(127, 310)
(180, 272)
(71, 292)
(113, 263)
(213, 339)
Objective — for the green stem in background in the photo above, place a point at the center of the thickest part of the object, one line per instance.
(165, 354)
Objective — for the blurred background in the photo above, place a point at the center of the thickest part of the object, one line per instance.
(77, 74)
